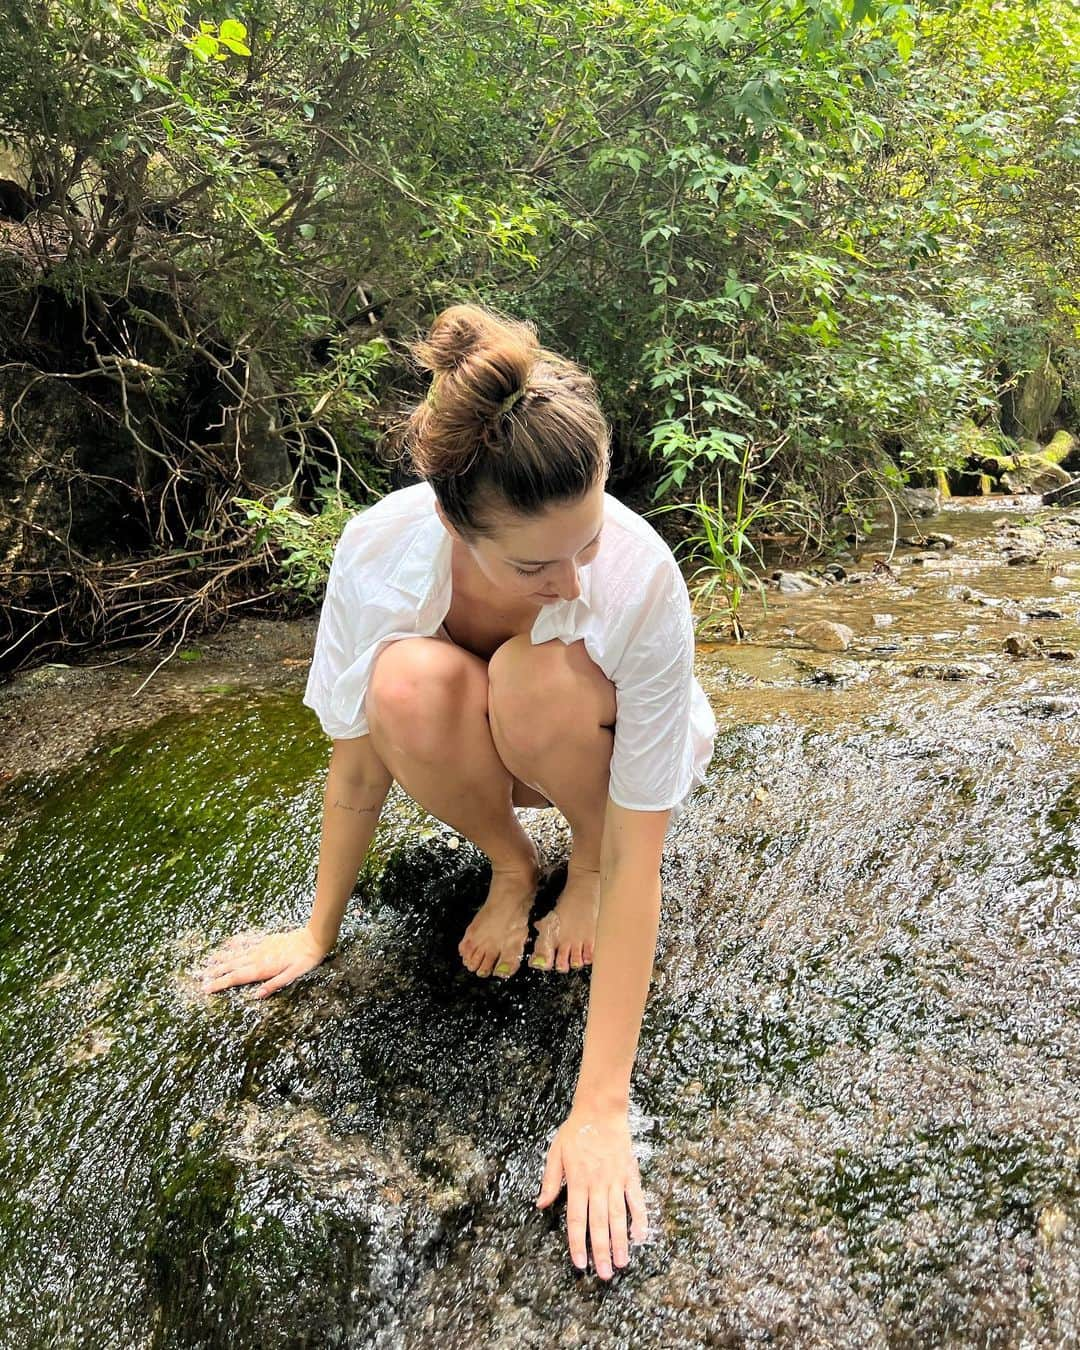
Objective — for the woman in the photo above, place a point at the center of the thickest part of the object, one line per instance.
(506, 634)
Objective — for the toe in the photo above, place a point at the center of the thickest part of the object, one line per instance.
(485, 965)
(543, 953)
(576, 958)
(507, 964)
(562, 957)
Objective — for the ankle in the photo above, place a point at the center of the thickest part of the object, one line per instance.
(523, 863)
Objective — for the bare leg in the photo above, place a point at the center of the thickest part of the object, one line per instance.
(552, 714)
(427, 708)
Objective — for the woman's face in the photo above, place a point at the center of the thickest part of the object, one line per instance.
(537, 557)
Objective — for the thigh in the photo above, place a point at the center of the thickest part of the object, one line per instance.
(549, 683)
(523, 795)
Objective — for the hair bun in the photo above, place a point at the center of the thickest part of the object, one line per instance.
(455, 336)
(478, 360)
(502, 411)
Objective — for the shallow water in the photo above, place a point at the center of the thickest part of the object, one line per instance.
(856, 1096)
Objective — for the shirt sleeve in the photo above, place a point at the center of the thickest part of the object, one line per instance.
(653, 759)
(356, 620)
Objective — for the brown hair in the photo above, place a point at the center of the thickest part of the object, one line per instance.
(506, 425)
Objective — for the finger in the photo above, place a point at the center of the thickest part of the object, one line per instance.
(217, 965)
(552, 1181)
(620, 1247)
(278, 982)
(598, 1233)
(240, 975)
(639, 1225)
(576, 1213)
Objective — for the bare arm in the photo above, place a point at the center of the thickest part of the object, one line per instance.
(626, 933)
(592, 1150)
(356, 786)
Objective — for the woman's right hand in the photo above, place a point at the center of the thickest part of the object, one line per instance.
(278, 959)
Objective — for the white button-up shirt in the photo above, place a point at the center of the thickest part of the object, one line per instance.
(391, 578)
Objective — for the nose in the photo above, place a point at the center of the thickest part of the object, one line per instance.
(567, 583)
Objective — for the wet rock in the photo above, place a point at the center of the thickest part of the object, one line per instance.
(1036, 474)
(1022, 557)
(826, 636)
(1021, 644)
(939, 541)
(795, 583)
(884, 620)
(833, 572)
(951, 670)
(1064, 494)
(1045, 612)
(1024, 538)
(837, 676)
(1059, 654)
(921, 501)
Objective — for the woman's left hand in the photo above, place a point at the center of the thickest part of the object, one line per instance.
(592, 1151)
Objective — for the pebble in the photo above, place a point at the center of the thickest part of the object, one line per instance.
(1020, 644)
(826, 636)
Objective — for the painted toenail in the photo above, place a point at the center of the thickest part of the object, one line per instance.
(503, 968)
(539, 962)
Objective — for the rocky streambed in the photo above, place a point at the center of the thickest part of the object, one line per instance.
(856, 1097)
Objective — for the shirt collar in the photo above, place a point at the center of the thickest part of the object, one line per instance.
(424, 568)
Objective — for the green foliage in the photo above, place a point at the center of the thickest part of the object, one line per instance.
(723, 545)
(837, 228)
(301, 545)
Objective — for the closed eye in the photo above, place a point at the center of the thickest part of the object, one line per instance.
(535, 571)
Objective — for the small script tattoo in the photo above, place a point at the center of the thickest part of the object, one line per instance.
(346, 806)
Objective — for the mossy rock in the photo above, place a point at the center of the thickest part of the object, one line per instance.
(1035, 473)
(1063, 446)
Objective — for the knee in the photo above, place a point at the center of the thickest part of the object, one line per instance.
(534, 697)
(417, 689)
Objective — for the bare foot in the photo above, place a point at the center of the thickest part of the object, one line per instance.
(495, 940)
(565, 937)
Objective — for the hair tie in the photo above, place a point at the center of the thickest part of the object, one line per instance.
(510, 400)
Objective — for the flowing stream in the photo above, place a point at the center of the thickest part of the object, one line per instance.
(857, 1097)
